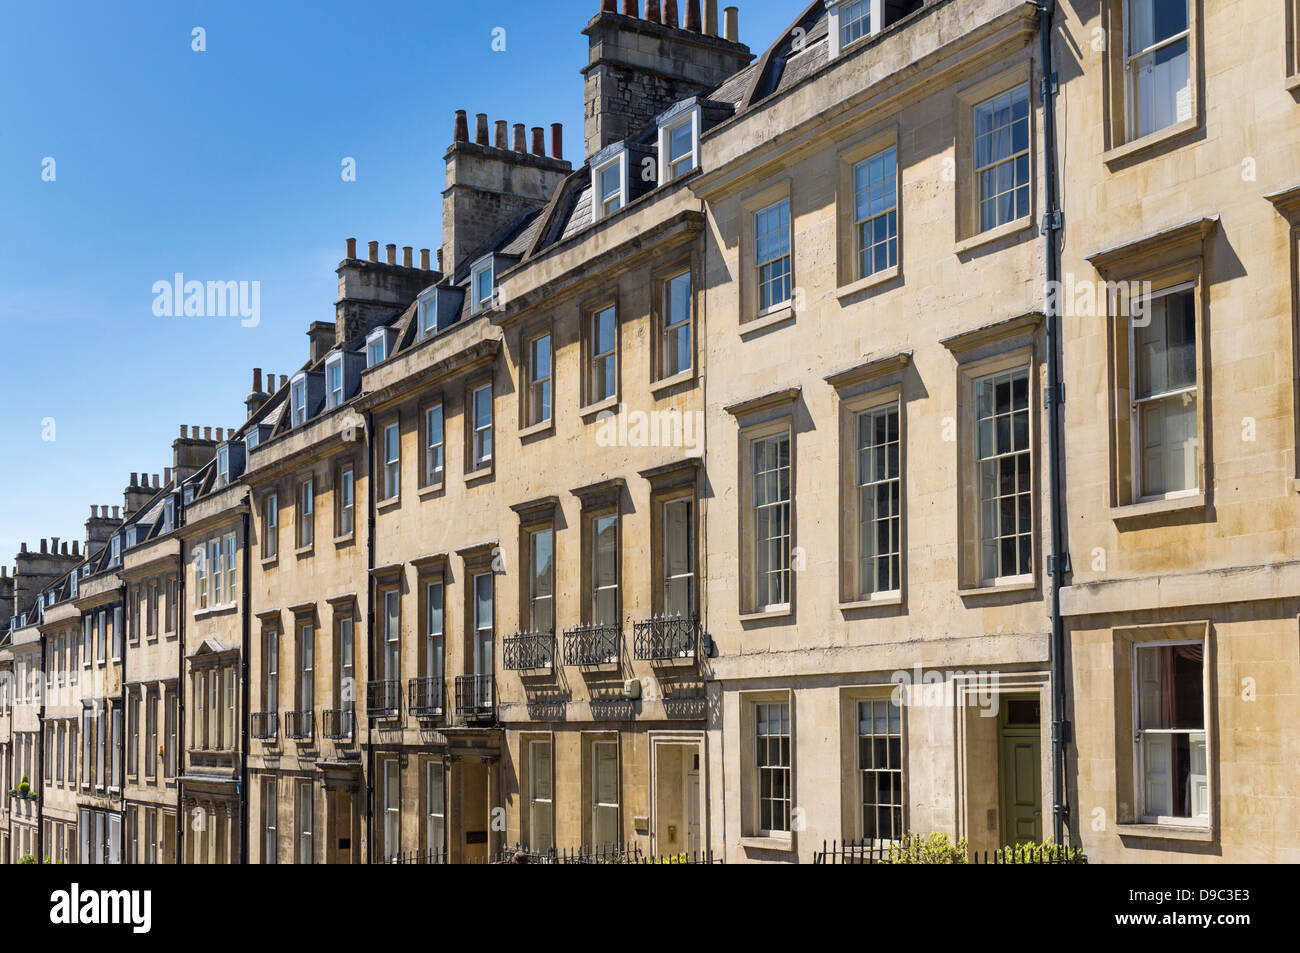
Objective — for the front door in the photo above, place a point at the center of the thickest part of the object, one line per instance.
(340, 826)
(1020, 774)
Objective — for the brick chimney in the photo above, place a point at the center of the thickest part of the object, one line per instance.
(257, 397)
(371, 292)
(639, 67)
(490, 187)
(34, 571)
(99, 528)
(321, 335)
(190, 451)
(138, 492)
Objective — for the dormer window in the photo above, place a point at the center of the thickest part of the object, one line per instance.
(379, 343)
(169, 514)
(483, 285)
(334, 380)
(130, 537)
(73, 580)
(115, 550)
(609, 185)
(223, 465)
(851, 20)
(298, 402)
(679, 138)
(428, 314)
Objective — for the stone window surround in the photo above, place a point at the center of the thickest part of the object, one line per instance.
(482, 471)
(536, 516)
(589, 308)
(526, 739)
(850, 775)
(750, 319)
(667, 124)
(669, 484)
(751, 837)
(427, 486)
(527, 337)
(848, 157)
(659, 278)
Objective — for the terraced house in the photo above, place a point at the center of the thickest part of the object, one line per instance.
(892, 428)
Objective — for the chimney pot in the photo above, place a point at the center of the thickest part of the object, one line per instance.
(133, 480)
(539, 141)
(407, 251)
(652, 11)
(116, 509)
(184, 431)
(352, 248)
(632, 8)
(440, 259)
(207, 435)
(608, 6)
(731, 24)
(373, 248)
(692, 16)
(670, 13)
(481, 128)
(23, 549)
(54, 544)
(94, 511)
(167, 475)
(557, 140)
(520, 145)
(44, 543)
(424, 259)
(257, 380)
(390, 251)
(64, 551)
(501, 134)
(76, 548)
(461, 133)
(711, 17)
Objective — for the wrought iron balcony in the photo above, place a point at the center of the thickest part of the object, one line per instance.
(592, 644)
(528, 652)
(337, 723)
(424, 697)
(266, 724)
(384, 698)
(474, 696)
(298, 725)
(667, 638)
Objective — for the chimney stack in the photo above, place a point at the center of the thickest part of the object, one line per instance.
(652, 11)
(390, 252)
(481, 129)
(352, 248)
(731, 24)
(520, 145)
(406, 256)
(670, 13)
(320, 334)
(608, 6)
(692, 16)
(711, 17)
(501, 135)
(539, 141)
(424, 259)
(557, 140)
(373, 249)
(632, 8)
(461, 132)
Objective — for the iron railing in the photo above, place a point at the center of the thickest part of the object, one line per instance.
(431, 856)
(474, 696)
(528, 652)
(384, 698)
(266, 724)
(337, 723)
(875, 851)
(602, 854)
(667, 638)
(298, 725)
(424, 697)
(593, 644)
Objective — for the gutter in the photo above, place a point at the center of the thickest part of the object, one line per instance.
(1058, 561)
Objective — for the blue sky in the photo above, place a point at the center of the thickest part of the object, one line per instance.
(223, 165)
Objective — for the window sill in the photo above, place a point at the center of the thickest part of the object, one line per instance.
(433, 489)
(768, 319)
(885, 599)
(345, 539)
(383, 506)
(590, 410)
(780, 612)
(1177, 504)
(663, 384)
(222, 609)
(1012, 585)
(532, 430)
(768, 842)
(269, 561)
(1149, 141)
(1166, 832)
(303, 551)
(871, 281)
(481, 475)
(994, 234)
(1293, 83)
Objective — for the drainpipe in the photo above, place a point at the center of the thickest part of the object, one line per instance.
(39, 774)
(1058, 561)
(181, 604)
(367, 786)
(246, 623)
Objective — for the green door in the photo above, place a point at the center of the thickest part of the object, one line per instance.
(1020, 770)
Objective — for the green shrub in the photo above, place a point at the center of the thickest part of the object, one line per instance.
(935, 849)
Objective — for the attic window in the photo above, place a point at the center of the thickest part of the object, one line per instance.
(482, 285)
(116, 550)
(334, 380)
(609, 186)
(223, 464)
(428, 314)
(679, 140)
(298, 402)
(851, 20)
(376, 347)
(169, 514)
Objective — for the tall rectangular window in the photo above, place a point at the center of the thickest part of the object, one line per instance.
(132, 736)
(334, 383)
(540, 801)
(679, 558)
(1164, 388)
(541, 591)
(150, 735)
(875, 211)
(537, 404)
(481, 409)
(232, 576)
(216, 572)
(271, 525)
(392, 804)
(1170, 734)
(347, 502)
(305, 822)
(855, 21)
(1005, 475)
(345, 669)
(392, 634)
(115, 740)
(306, 514)
(880, 768)
(676, 349)
(270, 823)
(604, 793)
(604, 570)
(435, 812)
(483, 624)
(271, 671)
(1157, 64)
(433, 445)
(602, 338)
(772, 750)
(772, 525)
(772, 254)
(306, 668)
(434, 630)
(171, 726)
(609, 180)
(1002, 157)
(392, 449)
(879, 501)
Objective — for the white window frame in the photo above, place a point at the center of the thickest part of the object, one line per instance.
(1139, 733)
(761, 589)
(1131, 71)
(223, 465)
(690, 117)
(539, 400)
(306, 513)
(786, 731)
(271, 525)
(306, 814)
(435, 810)
(761, 263)
(391, 448)
(668, 330)
(836, 26)
(861, 249)
(428, 314)
(435, 452)
(347, 500)
(862, 482)
(334, 395)
(298, 401)
(478, 305)
(543, 803)
(599, 202)
(1135, 403)
(998, 578)
(599, 837)
(601, 359)
(376, 346)
(997, 161)
(481, 447)
(391, 805)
